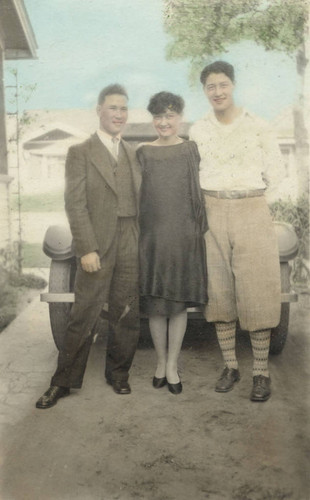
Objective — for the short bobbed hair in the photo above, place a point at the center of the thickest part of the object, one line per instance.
(160, 102)
(218, 67)
(115, 88)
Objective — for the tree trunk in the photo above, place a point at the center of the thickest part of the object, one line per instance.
(301, 126)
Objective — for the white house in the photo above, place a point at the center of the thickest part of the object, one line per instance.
(284, 125)
(45, 141)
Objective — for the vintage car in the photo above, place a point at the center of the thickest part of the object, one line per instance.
(58, 246)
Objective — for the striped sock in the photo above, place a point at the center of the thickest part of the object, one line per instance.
(260, 341)
(226, 335)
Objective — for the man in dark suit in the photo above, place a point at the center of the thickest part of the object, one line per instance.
(101, 201)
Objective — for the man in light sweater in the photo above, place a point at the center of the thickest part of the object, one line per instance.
(240, 168)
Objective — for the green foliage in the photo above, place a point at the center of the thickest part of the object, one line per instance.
(8, 260)
(298, 216)
(8, 299)
(25, 119)
(295, 214)
(7, 314)
(201, 29)
(33, 255)
(20, 90)
(13, 289)
(48, 202)
(28, 280)
(281, 26)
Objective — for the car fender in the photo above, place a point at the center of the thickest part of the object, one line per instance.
(57, 243)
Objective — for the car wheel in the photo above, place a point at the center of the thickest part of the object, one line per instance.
(279, 334)
(61, 280)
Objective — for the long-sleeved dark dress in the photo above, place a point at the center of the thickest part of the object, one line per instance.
(172, 255)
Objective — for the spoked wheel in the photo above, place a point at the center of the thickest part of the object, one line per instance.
(61, 280)
(279, 334)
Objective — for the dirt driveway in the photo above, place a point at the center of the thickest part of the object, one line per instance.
(152, 445)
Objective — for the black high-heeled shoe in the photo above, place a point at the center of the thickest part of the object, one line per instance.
(159, 382)
(175, 388)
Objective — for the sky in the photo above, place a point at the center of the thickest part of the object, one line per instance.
(84, 45)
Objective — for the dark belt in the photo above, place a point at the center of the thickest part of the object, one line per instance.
(235, 195)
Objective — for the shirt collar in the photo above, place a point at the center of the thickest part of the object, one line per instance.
(107, 138)
(210, 116)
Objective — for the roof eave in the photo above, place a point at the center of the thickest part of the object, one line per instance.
(28, 52)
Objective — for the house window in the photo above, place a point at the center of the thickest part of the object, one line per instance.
(285, 150)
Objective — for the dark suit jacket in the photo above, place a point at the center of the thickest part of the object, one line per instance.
(90, 194)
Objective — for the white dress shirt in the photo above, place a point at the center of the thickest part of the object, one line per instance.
(108, 141)
(243, 155)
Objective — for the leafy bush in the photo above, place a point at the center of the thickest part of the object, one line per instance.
(296, 214)
(12, 285)
(7, 314)
(28, 280)
(8, 300)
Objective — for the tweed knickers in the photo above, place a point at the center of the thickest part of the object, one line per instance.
(243, 263)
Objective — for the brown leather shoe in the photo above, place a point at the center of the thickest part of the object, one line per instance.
(261, 388)
(226, 381)
(51, 396)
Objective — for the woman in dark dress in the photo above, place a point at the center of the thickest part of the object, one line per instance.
(172, 225)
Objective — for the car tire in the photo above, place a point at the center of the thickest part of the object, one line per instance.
(279, 334)
(61, 280)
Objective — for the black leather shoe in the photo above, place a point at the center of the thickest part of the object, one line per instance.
(226, 381)
(175, 388)
(51, 396)
(120, 386)
(261, 388)
(159, 382)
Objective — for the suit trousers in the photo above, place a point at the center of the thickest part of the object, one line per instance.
(115, 284)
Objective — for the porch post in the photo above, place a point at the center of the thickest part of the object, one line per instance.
(3, 142)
